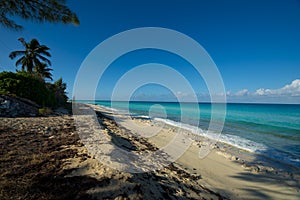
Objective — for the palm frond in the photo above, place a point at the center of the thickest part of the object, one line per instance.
(20, 61)
(43, 50)
(23, 42)
(8, 23)
(43, 71)
(34, 43)
(14, 54)
(46, 60)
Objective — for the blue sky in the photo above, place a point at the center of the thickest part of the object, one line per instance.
(255, 44)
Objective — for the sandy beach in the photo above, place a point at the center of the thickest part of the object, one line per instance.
(44, 158)
(227, 174)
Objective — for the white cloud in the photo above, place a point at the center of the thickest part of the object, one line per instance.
(243, 92)
(180, 94)
(240, 93)
(292, 89)
(287, 94)
(260, 92)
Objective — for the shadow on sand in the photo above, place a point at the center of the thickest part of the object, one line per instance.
(272, 174)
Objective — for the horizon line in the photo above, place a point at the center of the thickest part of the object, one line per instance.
(204, 102)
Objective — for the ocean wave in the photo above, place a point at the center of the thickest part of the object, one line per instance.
(236, 141)
(232, 140)
(108, 108)
(146, 117)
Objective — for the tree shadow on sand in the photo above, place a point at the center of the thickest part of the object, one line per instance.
(279, 179)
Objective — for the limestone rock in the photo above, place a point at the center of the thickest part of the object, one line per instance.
(17, 107)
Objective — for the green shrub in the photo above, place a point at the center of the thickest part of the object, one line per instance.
(25, 85)
(45, 111)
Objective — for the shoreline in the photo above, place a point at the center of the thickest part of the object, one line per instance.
(233, 152)
(230, 168)
(250, 132)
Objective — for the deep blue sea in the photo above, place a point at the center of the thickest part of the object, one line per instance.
(272, 130)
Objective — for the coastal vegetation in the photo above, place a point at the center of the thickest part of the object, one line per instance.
(32, 81)
(29, 86)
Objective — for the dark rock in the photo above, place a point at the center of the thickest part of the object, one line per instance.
(17, 107)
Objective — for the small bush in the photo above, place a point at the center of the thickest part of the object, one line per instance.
(45, 111)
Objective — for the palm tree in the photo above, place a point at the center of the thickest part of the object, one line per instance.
(36, 10)
(32, 56)
(59, 88)
(43, 71)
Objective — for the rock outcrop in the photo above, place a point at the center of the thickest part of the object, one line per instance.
(17, 107)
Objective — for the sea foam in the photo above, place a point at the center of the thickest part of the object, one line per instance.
(232, 140)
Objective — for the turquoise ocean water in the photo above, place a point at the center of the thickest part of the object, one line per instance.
(270, 130)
